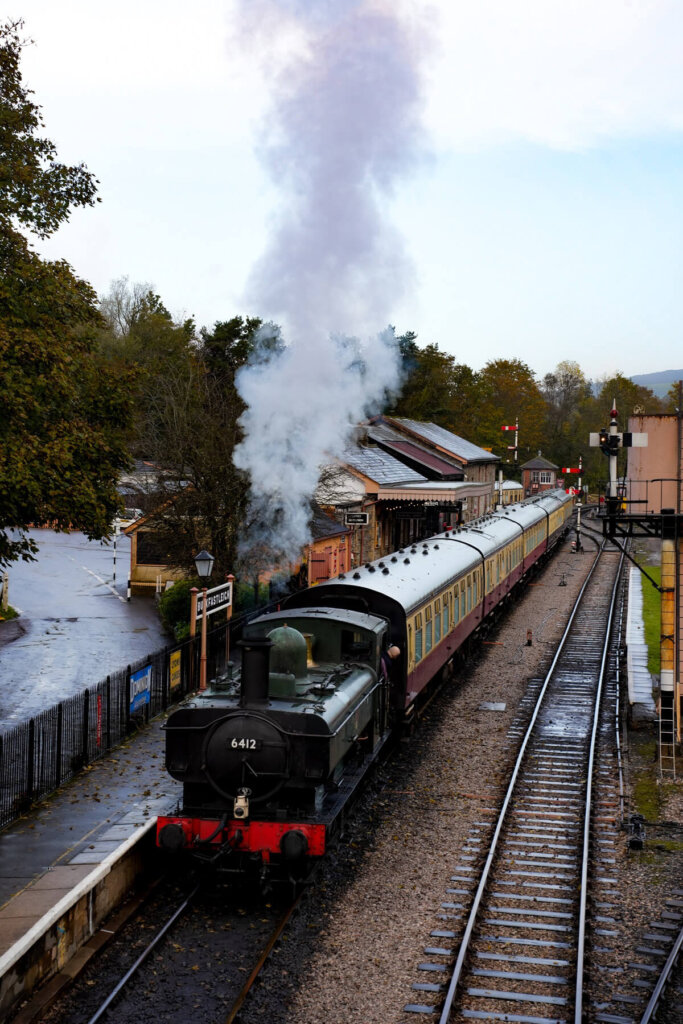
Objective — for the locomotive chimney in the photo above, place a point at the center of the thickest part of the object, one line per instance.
(255, 668)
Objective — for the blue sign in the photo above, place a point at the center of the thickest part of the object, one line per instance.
(140, 687)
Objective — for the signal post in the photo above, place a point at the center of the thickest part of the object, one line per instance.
(624, 520)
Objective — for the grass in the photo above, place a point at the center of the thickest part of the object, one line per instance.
(652, 614)
(8, 613)
(646, 795)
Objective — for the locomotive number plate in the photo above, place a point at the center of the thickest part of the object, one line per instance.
(245, 744)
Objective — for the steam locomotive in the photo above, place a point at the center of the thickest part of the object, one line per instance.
(270, 757)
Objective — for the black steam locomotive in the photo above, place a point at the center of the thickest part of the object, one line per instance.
(270, 757)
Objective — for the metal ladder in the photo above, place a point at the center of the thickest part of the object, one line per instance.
(667, 741)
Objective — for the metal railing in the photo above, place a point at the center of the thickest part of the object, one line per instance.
(39, 755)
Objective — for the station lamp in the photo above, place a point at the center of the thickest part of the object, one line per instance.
(204, 564)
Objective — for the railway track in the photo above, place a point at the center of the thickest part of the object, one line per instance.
(514, 949)
(198, 951)
(240, 995)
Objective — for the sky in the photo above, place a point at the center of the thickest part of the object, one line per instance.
(534, 209)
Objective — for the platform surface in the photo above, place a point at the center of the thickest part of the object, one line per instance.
(46, 853)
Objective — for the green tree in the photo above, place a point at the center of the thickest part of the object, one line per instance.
(190, 432)
(507, 390)
(436, 387)
(65, 414)
(141, 336)
(620, 392)
(672, 402)
(629, 398)
(567, 393)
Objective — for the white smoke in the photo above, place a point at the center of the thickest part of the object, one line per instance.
(345, 127)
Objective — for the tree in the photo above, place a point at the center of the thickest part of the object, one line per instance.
(629, 397)
(507, 390)
(673, 397)
(64, 415)
(567, 394)
(190, 431)
(435, 387)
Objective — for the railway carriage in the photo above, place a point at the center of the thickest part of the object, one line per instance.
(270, 757)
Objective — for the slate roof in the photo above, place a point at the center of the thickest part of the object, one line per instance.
(509, 485)
(539, 463)
(409, 451)
(323, 525)
(379, 465)
(457, 446)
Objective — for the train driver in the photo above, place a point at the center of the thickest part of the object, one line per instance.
(387, 662)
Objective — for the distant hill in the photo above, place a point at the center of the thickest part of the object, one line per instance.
(658, 382)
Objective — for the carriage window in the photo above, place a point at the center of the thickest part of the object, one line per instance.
(437, 620)
(446, 624)
(455, 606)
(418, 637)
(469, 594)
(428, 629)
(476, 580)
(462, 600)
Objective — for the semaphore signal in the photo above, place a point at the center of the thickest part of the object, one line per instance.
(514, 447)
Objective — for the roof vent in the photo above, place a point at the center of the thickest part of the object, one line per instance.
(342, 576)
(424, 551)
(367, 565)
(385, 571)
(371, 568)
(436, 547)
(380, 565)
(394, 558)
(356, 575)
(406, 561)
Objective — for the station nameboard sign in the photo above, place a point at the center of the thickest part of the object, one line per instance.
(216, 599)
(357, 518)
(140, 688)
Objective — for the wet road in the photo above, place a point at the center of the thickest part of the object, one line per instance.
(76, 623)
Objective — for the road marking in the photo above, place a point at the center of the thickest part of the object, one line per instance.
(104, 583)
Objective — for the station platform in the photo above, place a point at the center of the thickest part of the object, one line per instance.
(64, 849)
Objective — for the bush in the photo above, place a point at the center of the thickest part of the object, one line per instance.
(243, 597)
(174, 608)
(176, 602)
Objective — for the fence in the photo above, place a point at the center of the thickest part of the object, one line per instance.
(38, 756)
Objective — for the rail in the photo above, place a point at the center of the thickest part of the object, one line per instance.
(467, 937)
(659, 989)
(583, 891)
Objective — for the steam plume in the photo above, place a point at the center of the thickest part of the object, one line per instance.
(344, 129)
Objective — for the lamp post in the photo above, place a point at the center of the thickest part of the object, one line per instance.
(204, 564)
